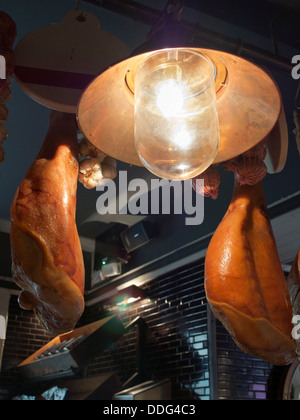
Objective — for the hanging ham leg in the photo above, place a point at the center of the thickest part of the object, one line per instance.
(47, 261)
(245, 284)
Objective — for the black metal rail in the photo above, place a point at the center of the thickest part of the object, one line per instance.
(149, 16)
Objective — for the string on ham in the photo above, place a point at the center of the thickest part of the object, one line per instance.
(231, 164)
(259, 151)
(249, 168)
(8, 32)
(250, 171)
(210, 187)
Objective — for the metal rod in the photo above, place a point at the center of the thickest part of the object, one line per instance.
(130, 9)
(149, 16)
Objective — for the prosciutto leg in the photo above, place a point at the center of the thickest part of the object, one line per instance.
(245, 284)
(47, 261)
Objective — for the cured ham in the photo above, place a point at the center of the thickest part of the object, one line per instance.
(244, 281)
(47, 261)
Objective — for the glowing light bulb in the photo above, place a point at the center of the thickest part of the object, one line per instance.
(170, 97)
(180, 136)
(176, 121)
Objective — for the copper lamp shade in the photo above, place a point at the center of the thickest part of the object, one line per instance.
(249, 108)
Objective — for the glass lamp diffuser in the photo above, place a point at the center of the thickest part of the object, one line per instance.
(176, 128)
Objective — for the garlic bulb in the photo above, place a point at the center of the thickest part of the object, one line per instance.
(93, 170)
(94, 165)
(86, 148)
(90, 172)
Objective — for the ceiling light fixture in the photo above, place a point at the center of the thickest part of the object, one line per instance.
(176, 122)
(176, 108)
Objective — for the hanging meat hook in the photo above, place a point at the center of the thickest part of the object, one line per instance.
(297, 98)
(173, 3)
(168, 14)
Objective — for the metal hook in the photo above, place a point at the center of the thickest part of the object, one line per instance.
(176, 14)
(167, 14)
(173, 3)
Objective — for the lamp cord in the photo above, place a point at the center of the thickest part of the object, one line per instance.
(173, 3)
(167, 14)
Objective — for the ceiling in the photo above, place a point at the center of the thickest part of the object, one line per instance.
(257, 29)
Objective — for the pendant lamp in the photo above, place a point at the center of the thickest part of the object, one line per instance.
(176, 108)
